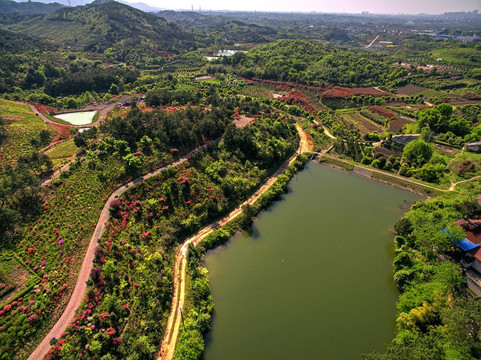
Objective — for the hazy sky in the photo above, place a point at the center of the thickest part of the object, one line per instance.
(338, 6)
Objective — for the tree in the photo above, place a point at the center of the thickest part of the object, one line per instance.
(114, 89)
(248, 214)
(132, 162)
(418, 151)
(403, 227)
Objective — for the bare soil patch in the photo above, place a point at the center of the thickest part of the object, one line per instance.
(387, 152)
(397, 125)
(343, 92)
(243, 121)
(446, 149)
(409, 90)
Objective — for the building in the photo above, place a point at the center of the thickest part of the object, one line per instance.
(474, 147)
(403, 140)
(471, 260)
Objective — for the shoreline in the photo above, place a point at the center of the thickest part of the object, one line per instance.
(324, 163)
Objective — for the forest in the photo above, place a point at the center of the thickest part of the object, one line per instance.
(213, 103)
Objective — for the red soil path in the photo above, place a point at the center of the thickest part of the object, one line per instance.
(173, 325)
(81, 285)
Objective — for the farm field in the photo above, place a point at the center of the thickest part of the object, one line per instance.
(21, 127)
(397, 125)
(460, 55)
(364, 125)
(409, 90)
(62, 153)
(181, 140)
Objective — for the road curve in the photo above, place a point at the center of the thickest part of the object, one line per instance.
(103, 111)
(81, 285)
(173, 324)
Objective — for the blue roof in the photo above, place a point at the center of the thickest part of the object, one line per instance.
(463, 244)
(466, 245)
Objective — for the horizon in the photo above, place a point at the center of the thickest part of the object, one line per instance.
(341, 7)
(375, 7)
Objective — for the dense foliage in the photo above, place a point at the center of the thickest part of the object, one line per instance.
(131, 282)
(435, 320)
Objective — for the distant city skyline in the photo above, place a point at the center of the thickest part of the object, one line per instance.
(324, 6)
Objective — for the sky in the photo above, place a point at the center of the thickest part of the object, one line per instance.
(326, 6)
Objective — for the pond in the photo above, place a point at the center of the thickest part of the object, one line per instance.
(77, 118)
(314, 278)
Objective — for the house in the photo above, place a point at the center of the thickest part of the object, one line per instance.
(474, 147)
(471, 245)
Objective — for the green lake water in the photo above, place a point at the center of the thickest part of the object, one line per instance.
(314, 279)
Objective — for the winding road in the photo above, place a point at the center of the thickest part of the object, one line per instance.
(81, 285)
(173, 324)
(103, 111)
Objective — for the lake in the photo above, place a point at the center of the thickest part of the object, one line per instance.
(77, 118)
(313, 280)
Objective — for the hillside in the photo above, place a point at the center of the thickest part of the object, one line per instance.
(224, 28)
(120, 31)
(29, 8)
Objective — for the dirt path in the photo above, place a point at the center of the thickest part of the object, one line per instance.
(457, 156)
(81, 285)
(326, 131)
(453, 185)
(102, 109)
(173, 324)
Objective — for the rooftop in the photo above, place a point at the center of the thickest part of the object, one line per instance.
(473, 234)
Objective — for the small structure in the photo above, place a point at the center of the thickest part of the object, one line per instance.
(478, 200)
(471, 260)
(403, 140)
(474, 147)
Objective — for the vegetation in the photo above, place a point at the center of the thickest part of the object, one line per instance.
(435, 320)
(172, 101)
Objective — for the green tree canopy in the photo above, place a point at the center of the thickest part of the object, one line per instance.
(418, 151)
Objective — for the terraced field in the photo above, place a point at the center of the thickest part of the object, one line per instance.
(364, 125)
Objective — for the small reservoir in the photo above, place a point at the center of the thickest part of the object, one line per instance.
(314, 278)
(77, 118)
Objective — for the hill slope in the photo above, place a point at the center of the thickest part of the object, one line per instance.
(29, 8)
(118, 30)
(224, 28)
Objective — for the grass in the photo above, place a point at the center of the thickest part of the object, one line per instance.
(459, 55)
(474, 158)
(337, 162)
(257, 91)
(429, 93)
(64, 150)
(22, 126)
(407, 184)
(212, 81)
(57, 120)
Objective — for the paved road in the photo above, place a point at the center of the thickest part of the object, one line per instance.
(81, 285)
(173, 324)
